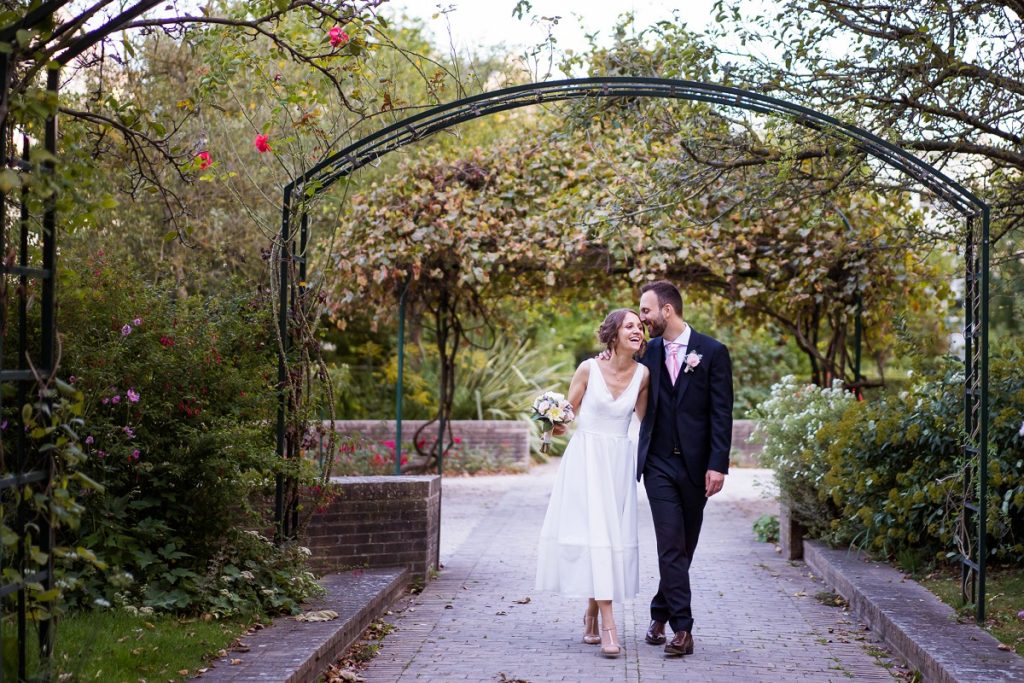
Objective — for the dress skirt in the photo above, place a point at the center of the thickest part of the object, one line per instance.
(588, 543)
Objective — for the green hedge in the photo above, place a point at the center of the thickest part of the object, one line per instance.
(887, 475)
(179, 431)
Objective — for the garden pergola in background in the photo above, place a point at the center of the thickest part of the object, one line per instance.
(976, 249)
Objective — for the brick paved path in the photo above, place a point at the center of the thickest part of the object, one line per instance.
(757, 618)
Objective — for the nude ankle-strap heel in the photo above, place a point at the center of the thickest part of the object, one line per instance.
(590, 636)
(611, 648)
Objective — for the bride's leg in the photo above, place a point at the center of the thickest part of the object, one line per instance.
(609, 634)
(590, 634)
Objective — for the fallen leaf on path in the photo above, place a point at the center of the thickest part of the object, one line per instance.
(524, 601)
(317, 615)
(501, 613)
(1005, 647)
(235, 662)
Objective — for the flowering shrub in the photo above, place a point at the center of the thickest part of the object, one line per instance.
(789, 422)
(887, 475)
(179, 395)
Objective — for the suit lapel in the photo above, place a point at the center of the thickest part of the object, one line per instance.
(683, 380)
(656, 349)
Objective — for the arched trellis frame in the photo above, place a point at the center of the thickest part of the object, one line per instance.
(975, 212)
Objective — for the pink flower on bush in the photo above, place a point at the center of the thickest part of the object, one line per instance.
(115, 399)
(133, 396)
(129, 432)
(104, 400)
(338, 36)
(457, 441)
(126, 330)
(135, 454)
(204, 159)
(72, 379)
(390, 443)
(262, 143)
(137, 322)
(101, 454)
(89, 440)
(166, 342)
(3, 425)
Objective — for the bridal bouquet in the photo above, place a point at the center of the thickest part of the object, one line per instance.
(550, 409)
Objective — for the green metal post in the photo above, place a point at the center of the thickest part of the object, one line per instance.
(401, 376)
(983, 440)
(858, 331)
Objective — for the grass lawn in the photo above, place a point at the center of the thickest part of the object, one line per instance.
(1004, 590)
(117, 647)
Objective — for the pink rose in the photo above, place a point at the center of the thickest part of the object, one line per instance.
(262, 143)
(692, 361)
(204, 159)
(337, 36)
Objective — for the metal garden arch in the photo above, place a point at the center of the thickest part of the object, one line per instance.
(976, 246)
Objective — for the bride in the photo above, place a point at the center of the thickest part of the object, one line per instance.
(588, 544)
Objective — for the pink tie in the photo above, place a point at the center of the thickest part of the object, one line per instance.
(672, 359)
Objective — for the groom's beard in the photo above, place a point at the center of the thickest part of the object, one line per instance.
(655, 328)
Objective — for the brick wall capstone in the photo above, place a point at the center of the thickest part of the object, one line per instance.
(377, 522)
(505, 443)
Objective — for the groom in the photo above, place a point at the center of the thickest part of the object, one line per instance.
(683, 451)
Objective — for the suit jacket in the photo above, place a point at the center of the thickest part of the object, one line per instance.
(704, 406)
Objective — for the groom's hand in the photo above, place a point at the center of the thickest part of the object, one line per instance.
(713, 482)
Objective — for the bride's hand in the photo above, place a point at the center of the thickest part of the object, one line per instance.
(559, 430)
(604, 355)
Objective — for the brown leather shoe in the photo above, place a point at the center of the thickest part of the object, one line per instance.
(655, 633)
(681, 644)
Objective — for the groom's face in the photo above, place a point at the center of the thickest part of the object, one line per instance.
(650, 314)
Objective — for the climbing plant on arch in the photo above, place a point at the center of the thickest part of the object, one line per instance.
(975, 213)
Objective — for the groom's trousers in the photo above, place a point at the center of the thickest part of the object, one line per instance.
(677, 506)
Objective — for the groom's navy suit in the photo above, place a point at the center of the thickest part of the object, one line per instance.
(686, 431)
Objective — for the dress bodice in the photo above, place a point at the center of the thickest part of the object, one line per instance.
(599, 413)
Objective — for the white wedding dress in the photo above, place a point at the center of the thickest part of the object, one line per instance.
(588, 544)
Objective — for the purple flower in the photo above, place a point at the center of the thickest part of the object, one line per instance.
(137, 322)
(72, 379)
(135, 454)
(1021, 432)
(89, 440)
(126, 330)
(133, 396)
(104, 400)
(101, 454)
(3, 425)
(129, 432)
(115, 399)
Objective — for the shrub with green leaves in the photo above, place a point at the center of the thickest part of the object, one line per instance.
(895, 466)
(179, 404)
(887, 475)
(789, 422)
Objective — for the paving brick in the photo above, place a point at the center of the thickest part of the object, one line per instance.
(757, 615)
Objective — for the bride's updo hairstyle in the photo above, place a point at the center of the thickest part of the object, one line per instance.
(608, 332)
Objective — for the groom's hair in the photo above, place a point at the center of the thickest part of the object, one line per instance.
(667, 293)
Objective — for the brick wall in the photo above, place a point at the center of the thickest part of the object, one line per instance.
(506, 443)
(377, 522)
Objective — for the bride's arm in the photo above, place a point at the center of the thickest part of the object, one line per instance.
(577, 387)
(641, 398)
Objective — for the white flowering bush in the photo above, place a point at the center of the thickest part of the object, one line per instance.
(789, 422)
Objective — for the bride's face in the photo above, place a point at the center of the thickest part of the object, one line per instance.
(631, 335)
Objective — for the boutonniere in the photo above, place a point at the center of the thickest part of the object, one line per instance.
(691, 361)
